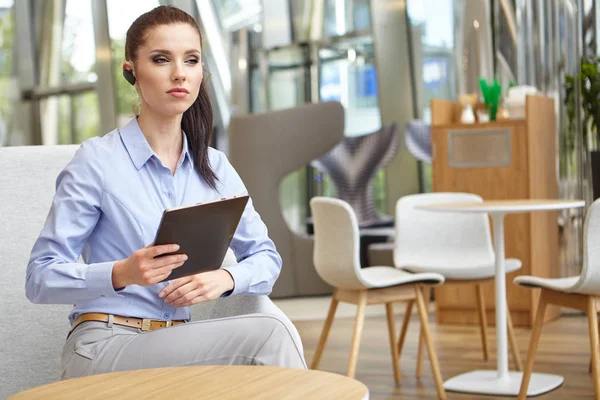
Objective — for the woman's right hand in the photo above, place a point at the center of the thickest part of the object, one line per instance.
(142, 268)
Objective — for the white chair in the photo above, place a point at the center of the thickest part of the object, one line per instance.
(336, 259)
(458, 246)
(580, 292)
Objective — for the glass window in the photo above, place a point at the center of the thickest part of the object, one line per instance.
(6, 82)
(75, 63)
(120, 17)
(348, 75)
(233, 14)
(71, 118)
(286, 89)
(344, 16)
(432, 30)
(78, 46)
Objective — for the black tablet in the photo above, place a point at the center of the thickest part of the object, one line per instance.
(203, 232)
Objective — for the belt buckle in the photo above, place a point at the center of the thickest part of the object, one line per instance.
(168, 324)
(146, 324)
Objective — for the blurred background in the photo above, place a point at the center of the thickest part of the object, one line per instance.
(384, 60)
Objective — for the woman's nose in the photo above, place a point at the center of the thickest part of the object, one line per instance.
(178, 72)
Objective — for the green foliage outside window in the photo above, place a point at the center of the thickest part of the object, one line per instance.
(127, 96)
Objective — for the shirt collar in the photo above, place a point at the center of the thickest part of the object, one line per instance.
(186, 154)
(139, 149)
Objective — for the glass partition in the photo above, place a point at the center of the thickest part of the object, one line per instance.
(346, 16)
(78, 50)
(120, 17)
(287, 87)
(432, 37)
(7, 82)
(68, 57)
(348, 74)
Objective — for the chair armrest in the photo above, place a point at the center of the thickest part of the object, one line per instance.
(225, 307)
(235, 305)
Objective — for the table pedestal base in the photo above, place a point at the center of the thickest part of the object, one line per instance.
(487, 382)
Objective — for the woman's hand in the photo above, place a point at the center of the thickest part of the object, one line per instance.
(142, 268)
(194, 289)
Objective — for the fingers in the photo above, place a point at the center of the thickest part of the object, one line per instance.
(199, 299)
(176, 289)
(189, 290)
(155, 251)
(193, 289)
(162, 262)
(157, 270)
(158, 274)
(187, 297)
(160, 278)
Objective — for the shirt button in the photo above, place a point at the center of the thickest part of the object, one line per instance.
(169, 194)
(166, 315)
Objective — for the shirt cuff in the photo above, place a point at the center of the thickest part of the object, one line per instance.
(98, 278)
(241, 279)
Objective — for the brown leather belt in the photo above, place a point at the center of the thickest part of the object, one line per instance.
(144, 324)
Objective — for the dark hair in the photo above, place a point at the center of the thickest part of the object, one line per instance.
(197, 121)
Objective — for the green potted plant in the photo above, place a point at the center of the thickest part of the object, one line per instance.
(589, 77)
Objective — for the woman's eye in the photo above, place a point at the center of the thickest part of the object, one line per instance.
(193, 61)
(160, 60)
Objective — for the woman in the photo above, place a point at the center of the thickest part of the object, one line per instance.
(107, 208)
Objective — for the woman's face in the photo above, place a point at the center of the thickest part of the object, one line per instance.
(168, 69)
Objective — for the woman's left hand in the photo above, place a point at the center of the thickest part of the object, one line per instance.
(194, 289)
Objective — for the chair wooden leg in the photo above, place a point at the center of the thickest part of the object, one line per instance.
(482, 321)
(421, 349)
(325, 332)
(389, 310)
(533, 343)
(358, 328)
(435, 368)
(513, 341)
(594, 343)
(409, 306)
(590, 366)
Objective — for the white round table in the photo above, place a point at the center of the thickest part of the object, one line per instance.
(502, 381)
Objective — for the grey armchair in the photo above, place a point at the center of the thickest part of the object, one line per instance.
(32, 336)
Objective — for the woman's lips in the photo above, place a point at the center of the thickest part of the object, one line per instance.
(178, 92)
(179, 95)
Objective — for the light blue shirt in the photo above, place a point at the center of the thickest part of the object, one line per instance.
(108, 203)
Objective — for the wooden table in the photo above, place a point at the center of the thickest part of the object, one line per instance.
(502, 381)
(204, 382)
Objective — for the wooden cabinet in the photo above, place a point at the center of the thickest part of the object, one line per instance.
(510, 159)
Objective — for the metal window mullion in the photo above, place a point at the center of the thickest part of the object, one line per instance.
(107, 98)
(28, 120)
